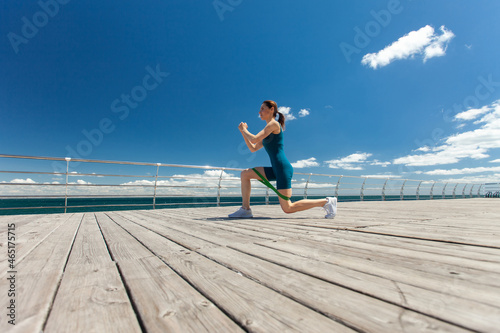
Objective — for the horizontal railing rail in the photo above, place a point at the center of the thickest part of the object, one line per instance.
(348, 187)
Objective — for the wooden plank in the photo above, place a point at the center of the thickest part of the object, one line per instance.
(340, 253)
(489, 254)
(165, 301)
(461, 281)
(253, 306)
(29, 234)
(345, 305)
(298, 229)
(461, 284)
(457, 250)
(419, 297)
(359, 310)
(228, 230)
(20, 220)
(479, 238)
(411, 253)
(336, 238)
(38, 277)
(455, 216)
(480, 312)
(92, 297)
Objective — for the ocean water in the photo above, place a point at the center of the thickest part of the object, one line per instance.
(15, 206)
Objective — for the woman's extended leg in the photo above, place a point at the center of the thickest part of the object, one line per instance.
(292, 207)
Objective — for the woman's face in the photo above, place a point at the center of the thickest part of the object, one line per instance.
(265, 112)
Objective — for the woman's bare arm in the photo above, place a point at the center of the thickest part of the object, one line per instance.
(253, 146)
(254, 139)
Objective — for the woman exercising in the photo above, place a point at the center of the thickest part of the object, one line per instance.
(271, 138)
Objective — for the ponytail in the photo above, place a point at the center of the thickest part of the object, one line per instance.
(281, 118)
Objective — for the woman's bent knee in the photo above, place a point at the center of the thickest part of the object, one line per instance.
(287, 209)
(249, 174)
(245, 173)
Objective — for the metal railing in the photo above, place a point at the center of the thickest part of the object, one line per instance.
(492, 190)
(342, 186)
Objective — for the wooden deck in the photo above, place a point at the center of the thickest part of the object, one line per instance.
(412, 266)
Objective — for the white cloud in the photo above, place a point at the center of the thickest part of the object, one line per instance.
(424, 149)
(81, 182)
(289, 115)
(143, 182)
(304, 112)
(379, 163)
(439, 44)
(350, 162)
(190, 184)
(463, 171)
(493, 178)
(423, 41)
(23, 181)
(382, 176)
(209, 177)
(473, 144)
(473, 113)
(286, 110)
(216, 174)
(311, 162)
(20, 181)
(495, 161)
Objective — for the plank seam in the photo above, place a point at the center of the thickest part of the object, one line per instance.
(229, 315)
(122, 278)
(336, 319)
(51, 305)
(284, 294)
(346, 287)
(41, 241)
(409, 237)
(181, 217)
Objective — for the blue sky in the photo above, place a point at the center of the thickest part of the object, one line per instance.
(407, 89)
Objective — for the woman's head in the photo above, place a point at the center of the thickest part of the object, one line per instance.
(274, 108)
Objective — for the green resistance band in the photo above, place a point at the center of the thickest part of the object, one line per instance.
(264, 181)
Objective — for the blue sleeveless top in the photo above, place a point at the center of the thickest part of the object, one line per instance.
(281, 170)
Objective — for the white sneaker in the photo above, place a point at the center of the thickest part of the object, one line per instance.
(330, 207)
(242, 213)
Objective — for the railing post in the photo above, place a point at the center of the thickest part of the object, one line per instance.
(156, 182)
(383, 189)
(454, 189)
(401, 194)
(463, 191)
(267, 196)
(432, 190)
(337, 187)
(307, 183)
(218, 187)
(361, 194)
(66, 194)
(444, 189)
(479, 191)
(418, 190)
(470, 194)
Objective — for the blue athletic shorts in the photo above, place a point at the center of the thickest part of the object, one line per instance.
(284, 181)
